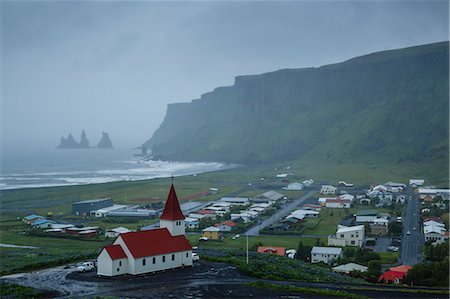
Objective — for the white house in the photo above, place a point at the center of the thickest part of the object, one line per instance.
(191, 222)
(294, 187)
(381, 221)
(328, 189)
(350, 267)
(113, 233)
(347, 197)
(151, 250)
(301, 214)
(436, 234)
(347, 236)
(104, 211)
(338, 203)
(435, 223)
(416, 182)
(325, 254)
(236, 201)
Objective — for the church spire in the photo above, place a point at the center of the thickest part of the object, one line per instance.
(172, 210)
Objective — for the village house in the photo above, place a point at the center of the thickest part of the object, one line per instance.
(236, 201)
(191, 222)
(338, 203)
(294, 187)
(150, 250)
(435, 233)
(86, 206)
(31, 218)
(378, 229)
(114, 232)
(43, 223)
(325, 254)
(212, 233)
(394, 274)
(416, 182)
(268, 197)
(366, 216)
(226, 226)
(272, 250)
(328, 189)
(347, 236)
(349, 268)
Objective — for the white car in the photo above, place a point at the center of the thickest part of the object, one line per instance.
(203, 239)
(236, 236)
(393, 248)
(195, 256)
(408, 233)
(86, 267)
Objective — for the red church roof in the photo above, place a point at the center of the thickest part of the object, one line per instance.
(154, 242)
(115, 252)
(402, 268)
(172, 210)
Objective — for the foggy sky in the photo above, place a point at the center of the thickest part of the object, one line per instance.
(114, 66)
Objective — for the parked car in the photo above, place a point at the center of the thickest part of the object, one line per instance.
(86, 267)
(393, 248)
(195, 256)
(236, 236)
(203, 239)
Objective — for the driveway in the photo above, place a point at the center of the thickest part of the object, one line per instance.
(382, 244)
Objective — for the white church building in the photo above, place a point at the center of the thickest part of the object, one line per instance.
(151, 250)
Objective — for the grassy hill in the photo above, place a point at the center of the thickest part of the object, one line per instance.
(386, 108)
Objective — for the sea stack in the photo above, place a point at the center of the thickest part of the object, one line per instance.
(84, 142)
(68, 142)
(105, 142)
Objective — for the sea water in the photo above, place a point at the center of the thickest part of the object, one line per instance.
(45, 167)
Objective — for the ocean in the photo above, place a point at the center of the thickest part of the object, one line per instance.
(47, 167)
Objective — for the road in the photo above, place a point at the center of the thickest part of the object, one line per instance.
(254, 231)
(411, 245)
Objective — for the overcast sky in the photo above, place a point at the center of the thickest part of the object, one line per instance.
(114, 66)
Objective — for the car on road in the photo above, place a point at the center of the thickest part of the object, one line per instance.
(195, 256)
(414, 229)
(408, 232)
(393, 248)
(86, 267)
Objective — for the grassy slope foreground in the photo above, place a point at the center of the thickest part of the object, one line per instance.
(387, 109)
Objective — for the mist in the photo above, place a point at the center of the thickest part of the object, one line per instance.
(114, 66)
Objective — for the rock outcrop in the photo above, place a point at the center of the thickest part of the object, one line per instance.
(105, 142)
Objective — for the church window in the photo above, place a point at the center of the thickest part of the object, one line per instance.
(164, 258)
(143, 262)
(173, 257)
(154, 260)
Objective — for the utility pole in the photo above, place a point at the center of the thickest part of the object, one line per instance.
(247, 248)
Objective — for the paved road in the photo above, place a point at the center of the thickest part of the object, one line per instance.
(279, 215)
(411, 245)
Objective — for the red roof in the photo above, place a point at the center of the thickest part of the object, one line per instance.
(115, 252)
(154, 242)
(402, 268)
(172, 210)
(272, 250)
(228, 223)
(392, 276)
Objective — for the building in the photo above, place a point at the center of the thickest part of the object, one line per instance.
(394, 274)
(431, 193)
(43, 223)
(294, 187)
(236, 201)
(347, 197)
(434, 233)
(347, 236)
(151, 250)
(378, 229)
(86, 206)
(269, 197)
(114, 232)
(302, 214)
(226, 226)
(366, 216)
(350, 267)
(191, 222)
(338, 203)
(212, 233)
(325, 254)
(328, 189)
(272, 250)
(31, 218)
(416, 182)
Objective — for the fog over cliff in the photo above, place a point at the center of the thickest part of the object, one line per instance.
(114, 66)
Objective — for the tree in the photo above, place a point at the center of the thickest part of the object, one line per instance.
(395, 228)
(374, 270)
(303, 252)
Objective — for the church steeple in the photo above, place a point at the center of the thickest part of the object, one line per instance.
(172, 217)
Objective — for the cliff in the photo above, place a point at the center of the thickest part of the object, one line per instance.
(385, 107)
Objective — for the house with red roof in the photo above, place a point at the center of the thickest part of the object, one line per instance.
(226, 226)
(150, 250)
(272, 250)
(394, 274)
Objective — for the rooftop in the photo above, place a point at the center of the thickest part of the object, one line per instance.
(172, 210)
(326, 250)
(93, 200)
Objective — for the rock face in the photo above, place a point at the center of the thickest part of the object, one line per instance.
(385, 107)
(105, 142)
(68, 142)
(84, 142)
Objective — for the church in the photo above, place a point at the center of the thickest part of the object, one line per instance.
(152, 250)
